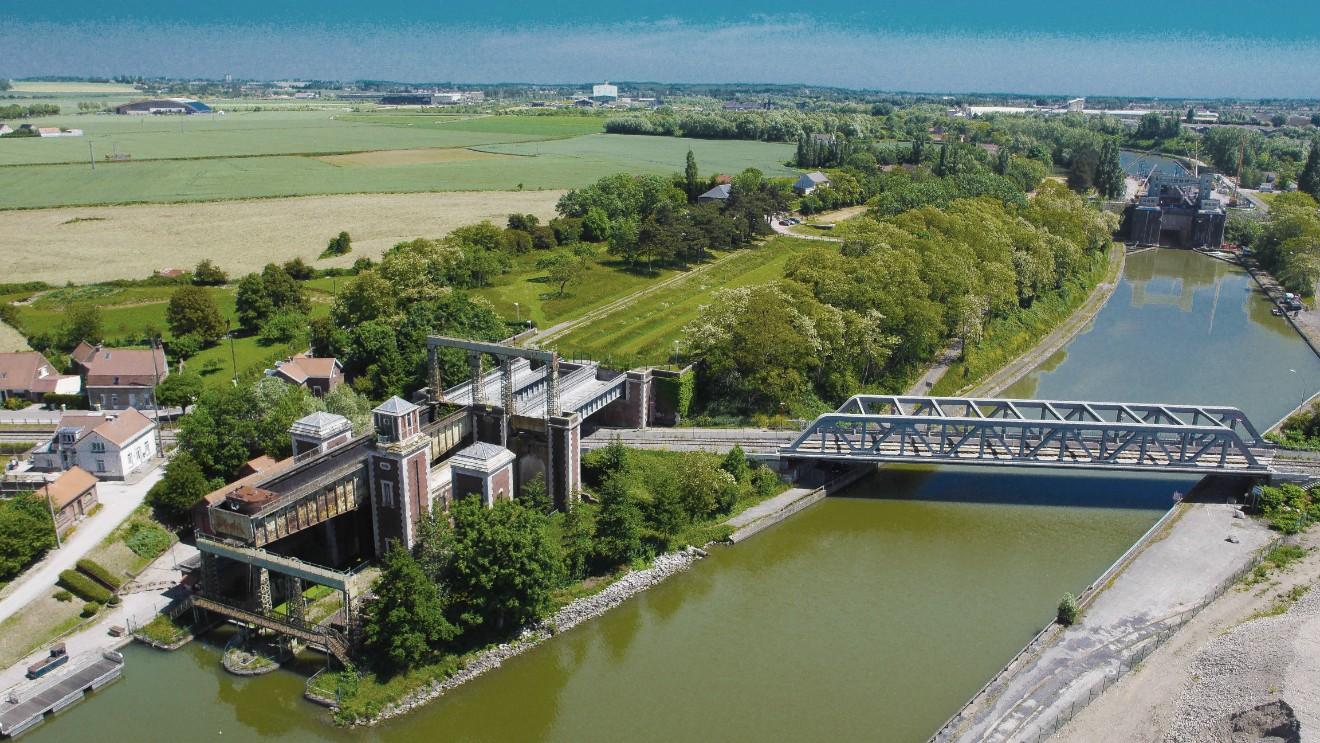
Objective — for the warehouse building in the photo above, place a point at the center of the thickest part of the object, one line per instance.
(162, 106)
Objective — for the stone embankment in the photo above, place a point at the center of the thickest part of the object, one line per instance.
(1261, 678)
(579, 611)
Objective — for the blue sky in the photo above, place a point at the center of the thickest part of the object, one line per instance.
(1217, 48)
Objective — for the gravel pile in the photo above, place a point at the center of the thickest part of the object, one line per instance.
(581, 610)
(1244, 672)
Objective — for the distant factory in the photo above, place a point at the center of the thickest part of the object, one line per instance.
(163, 106)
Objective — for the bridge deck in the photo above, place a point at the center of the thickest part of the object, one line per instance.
(1043, 433)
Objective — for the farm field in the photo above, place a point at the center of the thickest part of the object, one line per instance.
(250, 133)
(91, 244)
(48, 86)
(552, 164)
(644, 331)
(11, 340)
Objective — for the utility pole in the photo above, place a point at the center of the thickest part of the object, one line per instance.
(90, 155)
(233, 357)
(155, 401)
(51, 507)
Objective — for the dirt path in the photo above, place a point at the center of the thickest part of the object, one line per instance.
(936, 371)
(1010, 373)
(1141, 706)
(11, 339)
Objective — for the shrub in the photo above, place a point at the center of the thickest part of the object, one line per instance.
(114, 601)
(90, 608)
(208, 274)
(186, 346)
(298, 269)
(62, 595)
(146, 540)
(83, 587)
(765, 482)
(341, 244)
(99, 573)
(1067, 609)
(54, 401)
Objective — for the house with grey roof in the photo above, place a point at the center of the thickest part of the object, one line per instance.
(809, 182)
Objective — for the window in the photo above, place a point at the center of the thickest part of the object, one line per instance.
(100, 465)
(386, 466)
(387, 494)
(114, 399)
(98, 446)
(116, 380)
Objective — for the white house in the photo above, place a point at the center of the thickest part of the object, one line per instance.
(110, 446)
(810, 182)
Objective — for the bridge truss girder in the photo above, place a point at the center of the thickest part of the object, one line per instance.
(1128, 436)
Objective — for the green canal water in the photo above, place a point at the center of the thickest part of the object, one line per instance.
(870, 616)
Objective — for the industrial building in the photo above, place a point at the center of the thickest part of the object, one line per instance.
(162, 106)
(324, 513)
(1179, 210)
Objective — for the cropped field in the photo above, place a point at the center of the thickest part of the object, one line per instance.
(553, 164)
(644, 331)
(44, 86)
(90, 244)
(249, 133)
(11, 340)
(605, 281)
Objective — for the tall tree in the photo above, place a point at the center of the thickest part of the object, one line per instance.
(1309, 180)
(1109, 179)
(192, 311)
(690, 177)
(82, 322)
(406, 622)
(503, 567)
(179, 490)
(618, 525)
(252, 302)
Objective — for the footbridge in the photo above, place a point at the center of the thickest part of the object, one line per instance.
(1040, 433)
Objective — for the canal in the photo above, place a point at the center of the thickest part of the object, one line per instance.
(873, 615)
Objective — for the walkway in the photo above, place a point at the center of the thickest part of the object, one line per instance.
(1179, 569)
(135, 610)
(118, 501)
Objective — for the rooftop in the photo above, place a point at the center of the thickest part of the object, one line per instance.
(395, 406)
(68, 486)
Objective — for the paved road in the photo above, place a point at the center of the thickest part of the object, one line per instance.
(1172, 575)
(118, 501)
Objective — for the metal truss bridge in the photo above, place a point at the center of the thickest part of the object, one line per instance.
(1040, 433)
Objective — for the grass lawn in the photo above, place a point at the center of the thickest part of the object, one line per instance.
(131, 314)
(644, 332)
(605, 281)
(37, 624)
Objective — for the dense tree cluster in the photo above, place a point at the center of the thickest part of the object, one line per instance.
(380, 320)
(230, 425)
(889, 299)
(26, 533)
(13, 111)
(649, 221)
(1288, 244)
(767, 126)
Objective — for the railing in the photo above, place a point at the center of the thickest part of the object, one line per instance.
(331, 639)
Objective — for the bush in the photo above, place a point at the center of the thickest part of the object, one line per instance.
(765, 482)
(72, 402)
(298, 269)
(146, 540)
(99, 573)
(208, 274)
(90, 608)
(186, 346)
(64, 596)
(114, 601)
(341, 244)
(1067, 614)
(83, 587)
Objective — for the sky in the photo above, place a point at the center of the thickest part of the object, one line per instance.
(1209, 48)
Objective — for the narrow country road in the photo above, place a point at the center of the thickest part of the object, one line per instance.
(118, 501)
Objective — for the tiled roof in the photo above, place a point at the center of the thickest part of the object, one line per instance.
(69, 486)
(27, 370)
(719, 192)
(395, 406)
(124, 428)
(131, 366)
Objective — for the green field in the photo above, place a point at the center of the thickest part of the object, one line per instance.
(644, 332)
(605, 281)
(249, 133)
(564, 163)
(131, 314)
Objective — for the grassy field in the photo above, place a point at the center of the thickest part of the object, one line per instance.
(251, 133)
(551, 164)
(606, 281)
(46, 86)
(644, 332)
(131, 314)
(130, 242)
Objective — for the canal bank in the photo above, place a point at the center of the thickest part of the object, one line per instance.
(874, 614)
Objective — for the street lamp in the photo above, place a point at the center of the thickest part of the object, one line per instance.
(518, 312)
